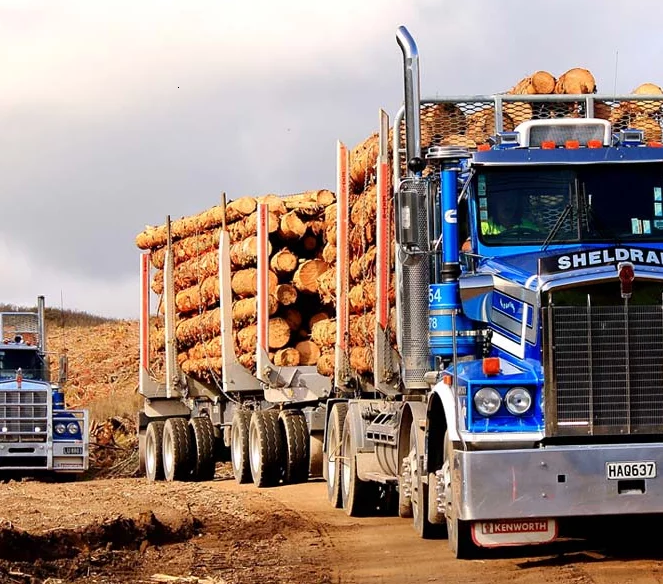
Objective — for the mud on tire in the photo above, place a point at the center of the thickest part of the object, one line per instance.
(176, 449)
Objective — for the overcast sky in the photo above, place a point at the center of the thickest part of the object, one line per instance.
(115, 114)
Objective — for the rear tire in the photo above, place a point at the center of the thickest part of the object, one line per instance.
(265, 448)
(332, 453)
(239, 446)
(316, 463)
(355, 492)
(297, 438)
(204, 464)
(176, 449)
(154, 451)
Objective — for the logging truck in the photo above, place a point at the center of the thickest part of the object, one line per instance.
(259, 409)
(37, 432)
(525, 385)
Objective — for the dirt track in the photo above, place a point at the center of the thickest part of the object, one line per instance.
(124, 530)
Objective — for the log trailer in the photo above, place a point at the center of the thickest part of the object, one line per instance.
(526, 386)
(37, 432)
(269, 423)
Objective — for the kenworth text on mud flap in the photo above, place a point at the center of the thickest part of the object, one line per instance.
(37, 431)
(269, 423)
(527, 382)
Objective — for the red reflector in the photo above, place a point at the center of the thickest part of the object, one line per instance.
(483, 147)
(654, 144)
(594, 144)
(19, 379)
(626, 277)
(548, 145)
(572, 144)
(491, 365)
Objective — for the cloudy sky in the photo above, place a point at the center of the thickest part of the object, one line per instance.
(115, 114)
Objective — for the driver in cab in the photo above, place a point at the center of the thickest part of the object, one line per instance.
(506, 213)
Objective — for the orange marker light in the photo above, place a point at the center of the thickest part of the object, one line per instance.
(447, 380)
(654, 144)
(491, 365)
(483, 147)
(548, 145)
(594, 144)
(572, 144)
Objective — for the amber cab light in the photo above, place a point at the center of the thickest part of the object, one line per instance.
(548, 145)
(447, 380)
(572, 144)
(594, 144)
(491, 365)
(483, 147)
(654, 144)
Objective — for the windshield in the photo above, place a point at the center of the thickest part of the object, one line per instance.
(31, 365)
(569, 204)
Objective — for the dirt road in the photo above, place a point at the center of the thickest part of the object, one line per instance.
(124, 530)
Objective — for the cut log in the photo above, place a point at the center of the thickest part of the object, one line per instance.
(317, 317)
(153, 236)
(251, 223)
(323, 333)
(187, 248)
(284, 262)
(205, 349)
(362, 329)
(306, 276)
(245, 310)
(204, 368)
(286, 294)
(198, 297)
(322, 197)
(244, 254)
(279, 333)
(329, 253)
(309, 352)
(291, 226)
(288, 357)
(364, 209)
(194, 329)
(330, 234)
(576, 81)
(326, 365)
(244, 283)
(327, 286)
(239, 208)
(275, 204)
(362, 297)
(364, 267)
(247, 338)
(247, 360)
(362, 163)
(361, 360)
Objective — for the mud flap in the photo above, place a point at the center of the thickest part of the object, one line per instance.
(506, 532)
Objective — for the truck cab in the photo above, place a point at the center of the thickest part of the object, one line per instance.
(37, 432)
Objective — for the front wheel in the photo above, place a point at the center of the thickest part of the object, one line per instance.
(419, 489)
(458, 531)
(333, 453)
(356, 494)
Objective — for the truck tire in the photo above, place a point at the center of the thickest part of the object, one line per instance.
(332, 453)
(239, 446)
(316, 465)
(422, 526)
(203, 460)
(297, 451)
(266, 448)
(356, 494)
(154, 451)
(458, 531)
(405, 489)
(141, 451)
(176, 449)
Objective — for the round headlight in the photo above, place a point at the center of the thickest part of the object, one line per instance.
(73, 428)
(518, 400)
(487, 401)
(60, 428)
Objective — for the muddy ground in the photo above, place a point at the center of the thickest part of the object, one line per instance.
(126, 530)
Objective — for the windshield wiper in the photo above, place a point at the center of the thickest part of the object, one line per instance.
(556, 227)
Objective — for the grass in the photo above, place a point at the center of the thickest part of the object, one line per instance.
(60, 317)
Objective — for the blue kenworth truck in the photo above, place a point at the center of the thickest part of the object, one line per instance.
(526, 384)
(38, 434)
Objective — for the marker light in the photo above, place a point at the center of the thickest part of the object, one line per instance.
(483, 147)
(626, 277)
(487, 401)
(491, 365)
(548, 145)
(594, 144)
(654, 144)
(572, 144)
(518, 400)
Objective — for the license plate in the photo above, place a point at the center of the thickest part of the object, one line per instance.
(72, 450)
(630, 470)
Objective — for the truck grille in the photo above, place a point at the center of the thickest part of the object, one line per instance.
(607, 370)
(23, 415)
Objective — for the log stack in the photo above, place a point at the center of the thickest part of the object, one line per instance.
(298, 237)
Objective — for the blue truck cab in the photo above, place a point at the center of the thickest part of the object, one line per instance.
(37, 431)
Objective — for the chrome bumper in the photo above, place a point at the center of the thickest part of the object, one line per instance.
(560, 481)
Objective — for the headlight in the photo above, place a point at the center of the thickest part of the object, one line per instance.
(487, 401)
(73, 428)
(60, 428)
(518, 400)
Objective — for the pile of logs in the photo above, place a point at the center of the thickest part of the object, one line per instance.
(301, 230)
